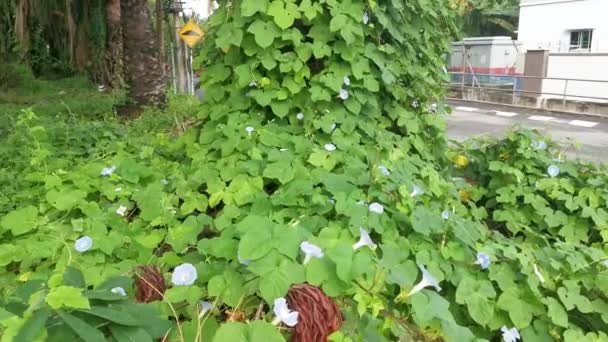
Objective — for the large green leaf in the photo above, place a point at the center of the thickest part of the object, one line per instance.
(20, 221)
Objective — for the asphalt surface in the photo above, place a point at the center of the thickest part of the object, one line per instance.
(588, 133)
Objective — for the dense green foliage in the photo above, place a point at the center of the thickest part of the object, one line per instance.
(486, 18)
(238, 193)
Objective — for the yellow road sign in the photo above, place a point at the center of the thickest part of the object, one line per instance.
(191, 33)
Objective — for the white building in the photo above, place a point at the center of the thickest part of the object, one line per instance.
(564, 25)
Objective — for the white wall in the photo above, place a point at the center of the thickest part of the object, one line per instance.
(545, 24)
(577, 66)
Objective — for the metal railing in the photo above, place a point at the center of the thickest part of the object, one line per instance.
(517, 85)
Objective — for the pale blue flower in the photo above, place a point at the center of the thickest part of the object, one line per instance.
(346, 81)
(510, 335)
(364, 240)
(343, 94)
(204, 308)
(376, 208)
(553, 171)
(330, 147)
(184, 274)
(283, 314)
(121, 211)
(83, 244)
(483, 260)
(119, 291)
(416, 191)
(365, 18)
(445, 214)
(249, 130)
(427, 280)
(538, 145)
(244, 262)
(384, 170)
(300, 116)
(310, 251)
(108, 170)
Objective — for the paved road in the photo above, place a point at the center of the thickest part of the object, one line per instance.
(472, 119)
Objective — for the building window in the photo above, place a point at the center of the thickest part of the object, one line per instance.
(580, 40)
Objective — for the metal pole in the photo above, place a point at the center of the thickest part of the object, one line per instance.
(173, 69)
(514, 88)
(564, 98)
(192, 71)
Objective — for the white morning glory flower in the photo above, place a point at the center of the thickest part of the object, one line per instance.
(253, 83)
(537, 272)
(108, 170)
(553, 171)
(384, 170)
(365, 240)
(510, 335)
(283, 314)
(121, 211)
(427, 280)
(365, 18)
(330, 147)
(416, 191)
(118, 189)
(343, 94)
(205, 307)
(376, 208)
(483, 260)
(184, 274)
(310, 251)
(244, 262)
(445, 214)
(346, 81)
(300, 116)
(249, 130)
(83, 244)
(119, 291)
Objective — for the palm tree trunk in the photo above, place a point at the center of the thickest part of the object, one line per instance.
(144, 69)
(114, 69)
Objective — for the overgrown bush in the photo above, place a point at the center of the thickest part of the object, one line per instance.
(318, 158)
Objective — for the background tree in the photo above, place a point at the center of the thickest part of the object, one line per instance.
(490, 18)
(144, 69)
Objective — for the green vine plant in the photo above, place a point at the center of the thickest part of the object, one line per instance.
(317, 168)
